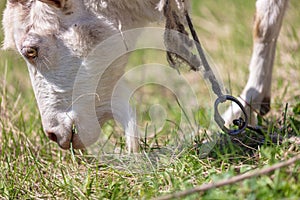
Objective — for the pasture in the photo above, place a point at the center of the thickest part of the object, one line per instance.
(33, 167)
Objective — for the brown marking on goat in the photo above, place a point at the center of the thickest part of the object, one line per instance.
(55, 3)
(14, 2)
(257, 34)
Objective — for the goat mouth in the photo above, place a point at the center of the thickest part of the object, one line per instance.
(74, 137)
(75, 141)
(73, 132)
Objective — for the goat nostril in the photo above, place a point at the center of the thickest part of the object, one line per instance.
(52, 136)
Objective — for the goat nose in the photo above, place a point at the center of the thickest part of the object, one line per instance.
(52, 136)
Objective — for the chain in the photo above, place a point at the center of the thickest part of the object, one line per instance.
(216, 87)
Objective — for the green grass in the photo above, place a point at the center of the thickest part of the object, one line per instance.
(32, 167)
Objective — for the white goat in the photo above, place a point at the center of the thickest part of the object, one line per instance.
(56, 36)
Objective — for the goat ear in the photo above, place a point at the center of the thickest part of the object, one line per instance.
(54, 3)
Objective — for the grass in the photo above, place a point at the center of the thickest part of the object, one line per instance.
(32, 167)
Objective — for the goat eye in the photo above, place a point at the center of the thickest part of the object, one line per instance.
(30, 52)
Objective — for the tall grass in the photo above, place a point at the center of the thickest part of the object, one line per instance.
(32, 167)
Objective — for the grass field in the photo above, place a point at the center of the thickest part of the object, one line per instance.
(32, 167)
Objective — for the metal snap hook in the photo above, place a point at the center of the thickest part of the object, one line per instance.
(242, 124)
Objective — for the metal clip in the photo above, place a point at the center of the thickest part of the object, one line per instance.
(220, 121)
